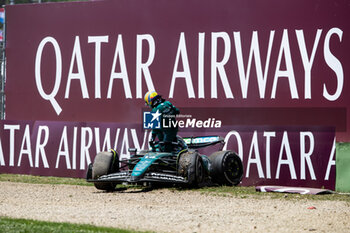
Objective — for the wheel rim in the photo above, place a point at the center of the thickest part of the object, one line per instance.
(232, 169)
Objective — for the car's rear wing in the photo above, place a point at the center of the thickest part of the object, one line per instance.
(203, 141)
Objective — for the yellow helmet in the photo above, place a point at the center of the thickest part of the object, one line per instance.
(150, 96)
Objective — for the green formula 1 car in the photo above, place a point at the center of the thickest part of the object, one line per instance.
(183, 166)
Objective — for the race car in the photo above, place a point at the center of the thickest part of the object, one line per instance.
(184, 166)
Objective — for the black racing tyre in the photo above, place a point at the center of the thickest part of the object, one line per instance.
(105, 163)
(190, 166)
(89, 172)
(226, 168)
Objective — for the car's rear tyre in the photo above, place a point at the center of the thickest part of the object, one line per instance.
(190, 166)
(226, 168)
(105, 163)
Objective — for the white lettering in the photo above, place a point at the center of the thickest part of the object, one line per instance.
(268, 136)
(201, 37)
(305, 156)
(331, 161)
(80, 75)
(289, 161)
(65, 151)
(124, 152)
(218, 66)
(123, 74)
(12, 129)
(254, 51)
(255, 146)
(199, 124)
(26, 142)
(334, 64)
(98, 40)
(116, 139)
(74, 152)
(186, 73)
(86, 141)
(136, 141)
(50, 97)
(306, 61)
(191, 122)
(40, 147)
(289, 72)
(144, 67)
(2, 160)
(106, 142)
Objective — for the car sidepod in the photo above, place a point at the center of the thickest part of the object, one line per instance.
(146, 161)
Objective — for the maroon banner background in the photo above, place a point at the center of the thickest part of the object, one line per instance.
(271, 156)
(93, 61)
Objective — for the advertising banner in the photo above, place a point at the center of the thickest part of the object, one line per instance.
(94, 61)
(297, 157)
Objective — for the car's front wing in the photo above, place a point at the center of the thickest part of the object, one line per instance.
(125, 176)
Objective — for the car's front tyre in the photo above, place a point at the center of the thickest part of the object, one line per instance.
(105, 163)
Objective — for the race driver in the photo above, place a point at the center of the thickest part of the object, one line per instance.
(167, 111)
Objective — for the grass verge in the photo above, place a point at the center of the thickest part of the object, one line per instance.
(238, 192)
(10, 225)
(43, 179)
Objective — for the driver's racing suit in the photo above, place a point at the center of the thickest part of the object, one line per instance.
(168, 129)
